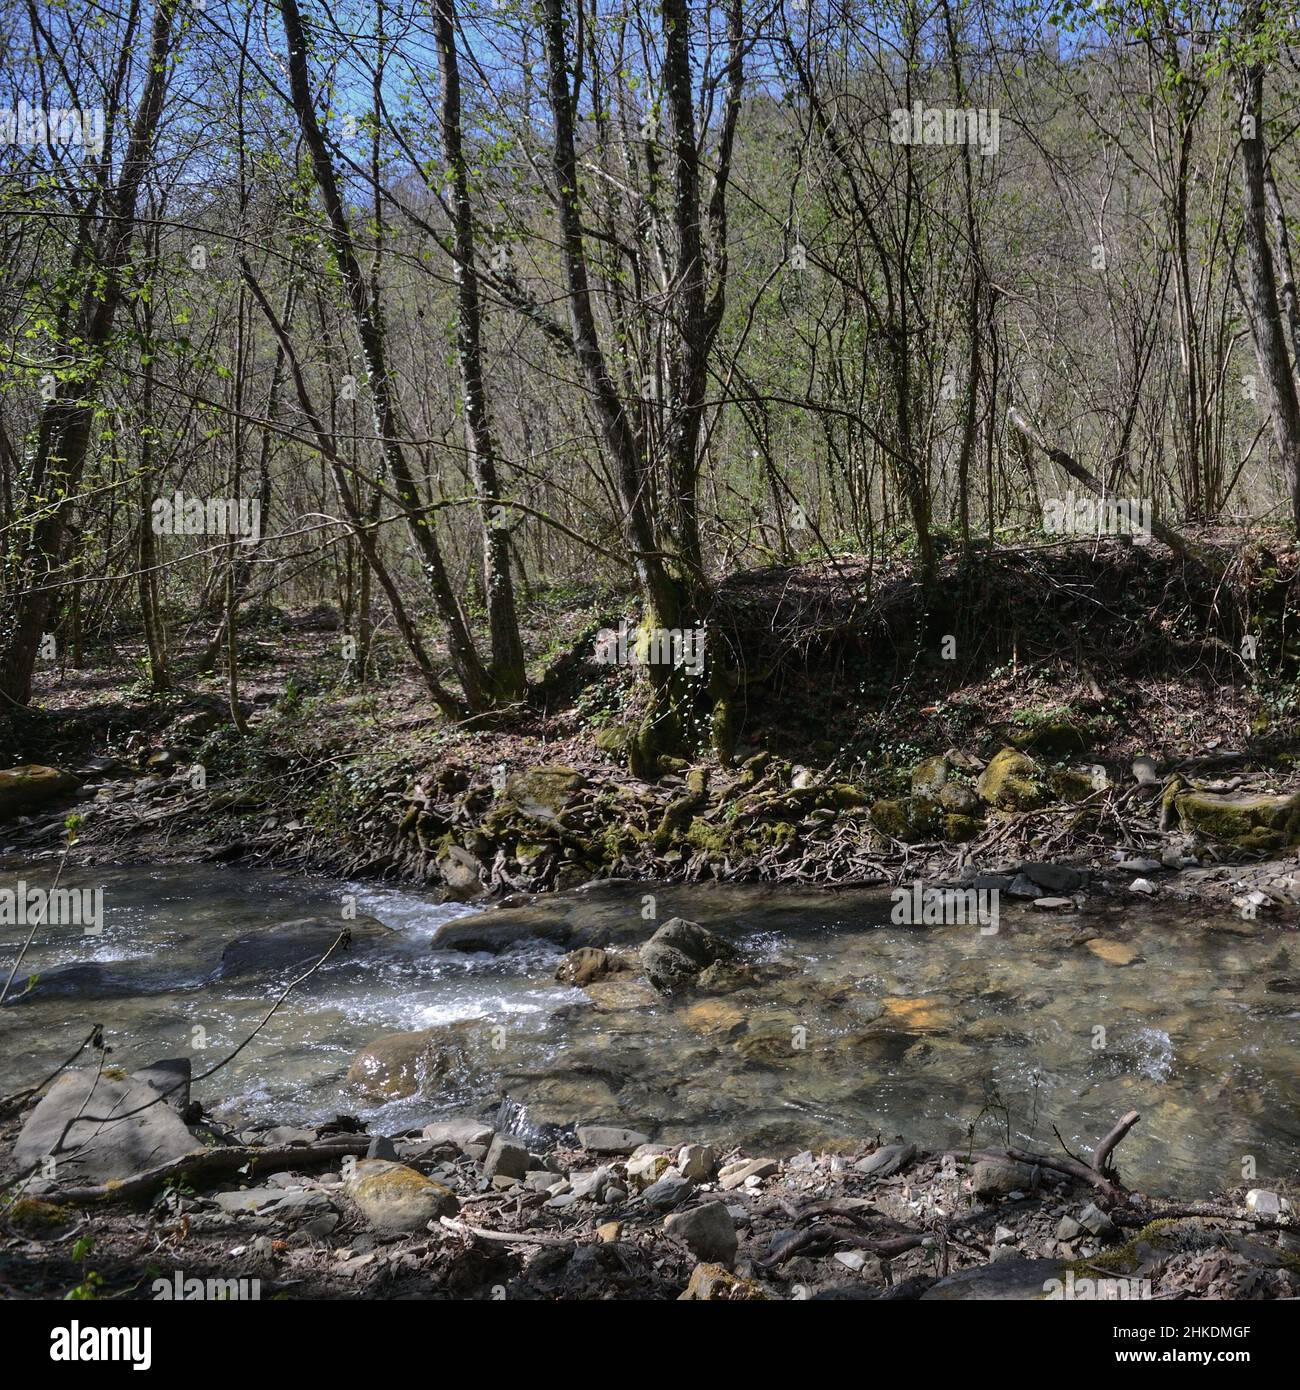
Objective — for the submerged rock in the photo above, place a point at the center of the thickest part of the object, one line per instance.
(289, 945)
(397, 1065)
(679, 951)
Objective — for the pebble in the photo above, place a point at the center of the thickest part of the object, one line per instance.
(670, 1191)
(696, 1162)
(1068, 1229)
(737, 1174)
(1142, 885)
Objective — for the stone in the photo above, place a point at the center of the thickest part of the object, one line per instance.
(589, 1187)
(1012, 1277)
(1139, 865)
(586, 965)
(707, 1231)
(998, 1177)
(28, 788)
(1012, 782)
(96, 1151)
(395, 1198)
(608, 1139)
(1004, 1235)
(462, 872)
(886, 1161)
(543, 1180)
(507, 1157)
(930, 776)
(609, 1232)
(1264, 1203)
(678, 951)
(1146, 771)
(382, 1147)
(644, 1169)
(921, 1015)
(458, 1132)
(1052, 904)
(1068, 1229)
(249, 1201)
(1142, 885)
(736, 1174)
(669, 1191)
(1096, 1222)
(710, 1283)
(170, 1076)
(1055, 738)
(1112, 952)
(1056, 878)
(1024, 887)
(696, 1162)
(541, 793)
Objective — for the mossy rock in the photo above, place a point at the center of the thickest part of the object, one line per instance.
(906, 818)
(615, 739)
(1013, 782)
(1249, 822)
(930, 776)
(704, 835)
(844, 796)
(24, 789)
(1073, 784)
(960, 799)
(959, 828)
(395, 1198)
(36, 1217)
(541, 793)
(1056, 738)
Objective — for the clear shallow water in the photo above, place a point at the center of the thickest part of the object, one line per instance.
(852, 1026)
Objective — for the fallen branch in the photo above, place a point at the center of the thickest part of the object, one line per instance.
(213, 1163)
(463, 1228)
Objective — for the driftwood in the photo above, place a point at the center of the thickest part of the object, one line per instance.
(216, 1162)
(463, 1228)
(1099, 1174)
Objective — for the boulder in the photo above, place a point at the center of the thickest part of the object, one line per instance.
(1054, 738)
(707, 1231)
(930, 776)
(30, 787)
(679, 951)
(1012, 782)
(541, 793)
(1249, 822)
(393, 1197)
(99, 1148)
(1056, 878)
(507, 1157)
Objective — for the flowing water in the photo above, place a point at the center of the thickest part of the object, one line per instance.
(850, 1027)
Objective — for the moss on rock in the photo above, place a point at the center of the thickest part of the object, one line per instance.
(1013, 782)
(906, 818)
(1250, 822)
